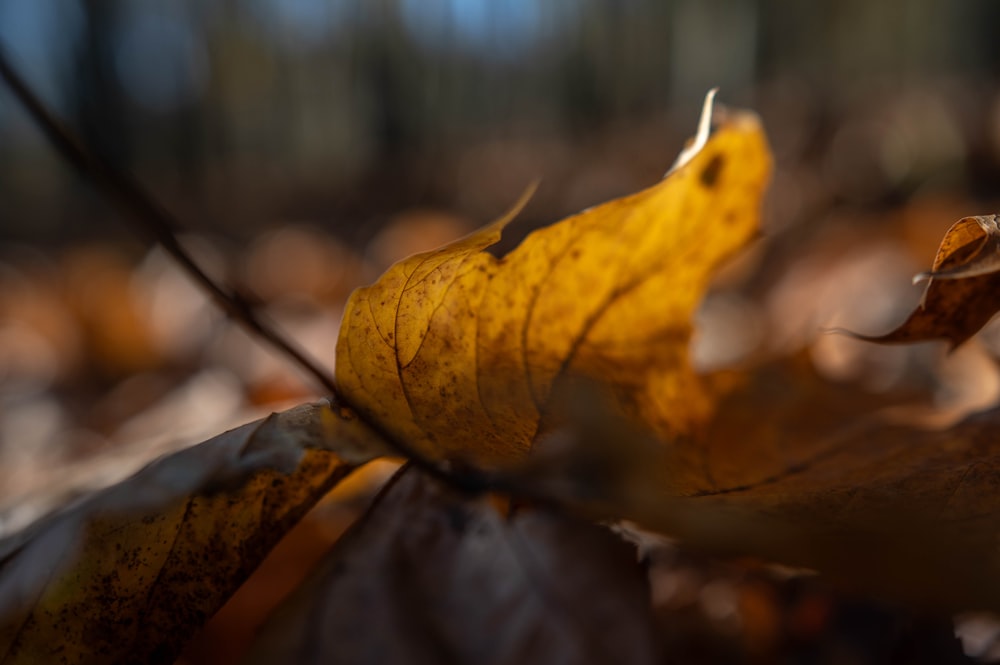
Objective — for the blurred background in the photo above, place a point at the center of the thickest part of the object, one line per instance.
(307, 144)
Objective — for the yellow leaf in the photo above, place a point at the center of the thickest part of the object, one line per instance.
(456, 351)
(129, 574)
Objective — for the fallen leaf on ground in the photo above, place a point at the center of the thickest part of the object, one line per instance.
(456, 351)
(885, 508)
(129, 573)
(962, 287)
(778, 417)
(472, 358)
(461, 354)
(809, 473)
(432, 576)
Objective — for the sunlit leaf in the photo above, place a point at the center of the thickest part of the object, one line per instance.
(457, 351)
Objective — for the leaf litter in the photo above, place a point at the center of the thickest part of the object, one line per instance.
(466, 355)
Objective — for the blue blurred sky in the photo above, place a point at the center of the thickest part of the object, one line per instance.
(160, 57)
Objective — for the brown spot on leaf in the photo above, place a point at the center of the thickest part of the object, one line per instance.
(710, 174)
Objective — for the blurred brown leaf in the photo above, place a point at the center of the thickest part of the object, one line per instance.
(801, 471)
(961, 294)
(433, 576)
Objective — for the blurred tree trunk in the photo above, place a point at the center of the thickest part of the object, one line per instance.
(95, 99)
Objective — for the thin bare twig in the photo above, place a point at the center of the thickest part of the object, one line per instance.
(146, 215)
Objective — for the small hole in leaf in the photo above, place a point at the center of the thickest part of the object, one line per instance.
(710, 174)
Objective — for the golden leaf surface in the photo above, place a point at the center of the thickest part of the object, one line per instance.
(456, 351)
(130, 573)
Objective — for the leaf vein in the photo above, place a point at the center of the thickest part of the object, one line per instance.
(173, 545)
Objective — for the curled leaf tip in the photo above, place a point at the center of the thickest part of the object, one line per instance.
(701, 138)
(522, 201)
(894, 337)
(841, 331)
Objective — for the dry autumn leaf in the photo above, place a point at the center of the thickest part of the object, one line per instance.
(811, 473)
(573, 299)
(432, 576)
(129, 574)
(463, 355)
(962, 286)
(456, 351)
(886, 508)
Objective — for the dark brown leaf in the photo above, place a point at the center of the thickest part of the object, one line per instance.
(430, 576)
